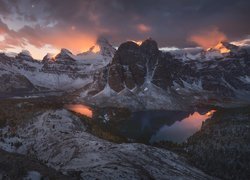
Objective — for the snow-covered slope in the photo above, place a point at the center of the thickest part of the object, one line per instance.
(60, 140)
(219, 51)
(65, 71)
(14, 82)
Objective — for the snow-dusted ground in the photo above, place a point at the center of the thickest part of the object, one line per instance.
(60, 140)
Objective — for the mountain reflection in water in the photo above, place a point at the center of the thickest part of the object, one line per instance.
(154, 126)
(81, 109)
(181, 130)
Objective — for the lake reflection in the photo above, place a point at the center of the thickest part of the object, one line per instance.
(147, 126)
(154, 126)
(81, 109)
(181, 130)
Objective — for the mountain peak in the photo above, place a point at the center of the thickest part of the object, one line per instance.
(106, 49)
(24, 54)
(224, 47)
(102, 40)
(65, 51)
(48, 57)
(65, 54)
(149, 45)
(129, 45)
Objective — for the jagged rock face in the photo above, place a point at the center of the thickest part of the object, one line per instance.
(100, 79)
(211, 78)
(107, 50)
(122, 70)
(145, 73)
(135, 65)
(132, 65)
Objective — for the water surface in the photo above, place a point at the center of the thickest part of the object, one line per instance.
(181, 130)
(154, 126)
(81, 109)
(148, 126)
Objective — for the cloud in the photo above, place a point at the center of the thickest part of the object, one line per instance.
(3, 27)
(242, 42)
(9, 38)
(143, 28)
(34, 38)
(208, 38)
(75, 24)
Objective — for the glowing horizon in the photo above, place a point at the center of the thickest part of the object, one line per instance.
(43, 27)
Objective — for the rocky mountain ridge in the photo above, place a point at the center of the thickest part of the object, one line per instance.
(63, 72)
(141, 75)
(138, 76)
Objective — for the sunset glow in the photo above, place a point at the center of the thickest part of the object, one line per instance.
(183, 129)
(43, 27)
(94, 49)
(208, 38)
(210, 113)
(81, 109)
(124, 89)
(194, 120)
(143, 28)
(221, 48)
(137, 42)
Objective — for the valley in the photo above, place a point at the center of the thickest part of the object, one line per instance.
(130, 116)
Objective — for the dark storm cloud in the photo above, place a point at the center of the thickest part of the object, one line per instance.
(170, 22)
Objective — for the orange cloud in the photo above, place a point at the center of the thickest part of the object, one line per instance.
(208, 38)
(143, 28)
(73, 40)
(2, 30)
(37, 38)
(76, 41)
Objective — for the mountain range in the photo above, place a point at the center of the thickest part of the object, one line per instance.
(135, 76)
(115, 83)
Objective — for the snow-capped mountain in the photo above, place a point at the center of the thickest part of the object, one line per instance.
(138, 76)
(65, 71)
(142, 76)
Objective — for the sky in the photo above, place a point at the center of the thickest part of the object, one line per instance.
(42, 26)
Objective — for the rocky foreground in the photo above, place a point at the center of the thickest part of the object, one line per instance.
(16, 166)
(60, 140)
